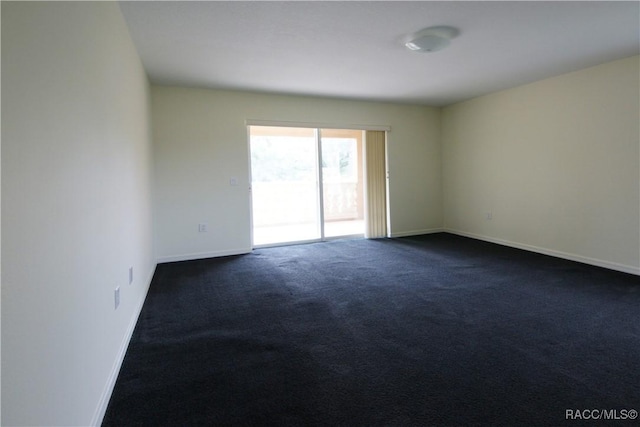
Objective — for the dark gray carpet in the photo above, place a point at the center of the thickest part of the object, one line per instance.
(435, 330)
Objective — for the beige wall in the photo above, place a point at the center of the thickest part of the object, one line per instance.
(556, 163)
(200, 142)
(76, 207)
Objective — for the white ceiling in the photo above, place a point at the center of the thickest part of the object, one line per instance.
(353, 49)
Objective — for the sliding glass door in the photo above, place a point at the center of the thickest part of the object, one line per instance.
(307, 184)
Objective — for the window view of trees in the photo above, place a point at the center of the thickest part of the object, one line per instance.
(282, 158)
(339, 159)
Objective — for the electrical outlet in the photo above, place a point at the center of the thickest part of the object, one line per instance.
(130, 275)
(203, 228)
(489, 216)
(116, 297)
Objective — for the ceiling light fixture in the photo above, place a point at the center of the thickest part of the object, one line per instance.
(431, 39)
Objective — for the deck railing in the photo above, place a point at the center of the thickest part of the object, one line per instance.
(286, 202)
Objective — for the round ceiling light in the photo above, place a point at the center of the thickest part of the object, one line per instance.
(431, 39)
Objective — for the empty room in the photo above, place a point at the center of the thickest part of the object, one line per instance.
(298, 213)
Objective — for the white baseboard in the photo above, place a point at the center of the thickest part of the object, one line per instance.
(202, 255)
(115, 370)
(417, 232)
(558, 254)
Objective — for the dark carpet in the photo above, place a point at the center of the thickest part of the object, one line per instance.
(435, 330)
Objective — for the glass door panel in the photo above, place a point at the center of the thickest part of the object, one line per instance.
(342, 182)
(284, 175)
